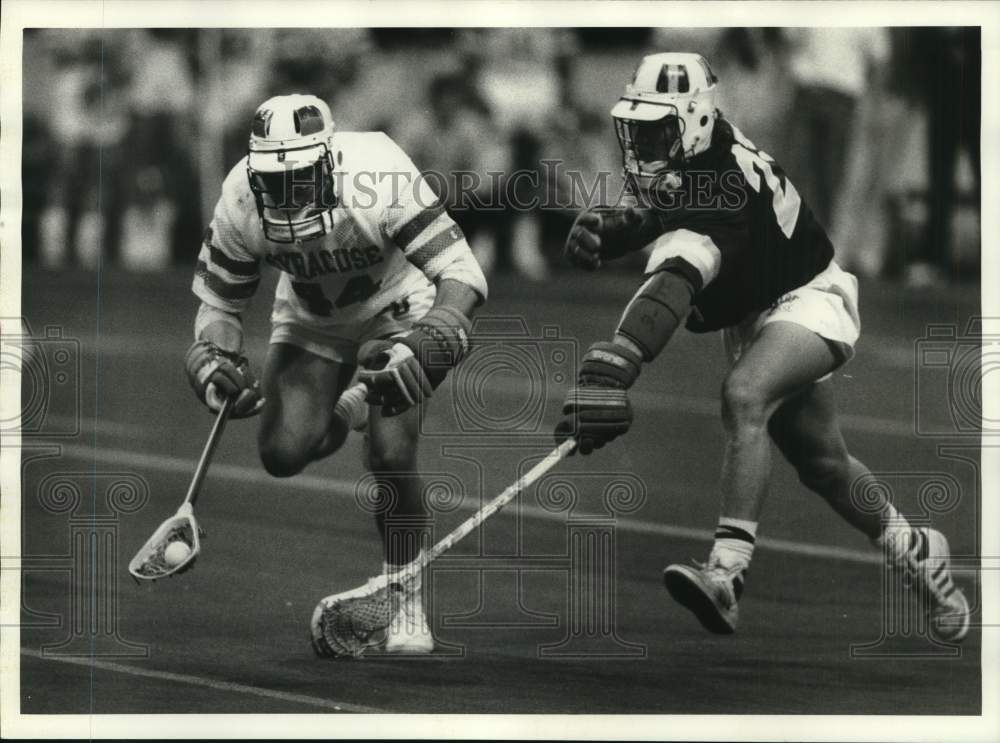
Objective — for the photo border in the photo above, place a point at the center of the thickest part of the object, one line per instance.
(19, 14)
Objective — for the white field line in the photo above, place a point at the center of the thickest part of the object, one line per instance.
(885, 350)
(89, 426)
(654, 402)
(127, 346)
(124, 345)
(207, 683)
(342, 487)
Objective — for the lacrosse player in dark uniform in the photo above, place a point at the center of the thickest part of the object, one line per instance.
(734, 248)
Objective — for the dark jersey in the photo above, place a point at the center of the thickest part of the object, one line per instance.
(740, 225)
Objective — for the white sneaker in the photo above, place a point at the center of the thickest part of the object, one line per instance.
(928, 563)
(409, 632)
(710, 591)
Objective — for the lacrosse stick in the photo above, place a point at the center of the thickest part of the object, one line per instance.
(347, 624)
(149, 562)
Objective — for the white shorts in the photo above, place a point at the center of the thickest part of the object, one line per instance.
(827, 305)
(340, 343)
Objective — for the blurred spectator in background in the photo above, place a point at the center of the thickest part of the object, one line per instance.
(523, 75)
(117, 155)
(578, 143)
(451, 137)
(750, 65)
(327, 63)
(235, 67)
(37, 153)
(832, 69)
(946, 67)
(583, 164)
(708, 42)
(81, 222)
(160, 178)
(37, 165)
(883, 165)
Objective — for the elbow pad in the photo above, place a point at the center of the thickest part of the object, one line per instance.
(657, 309)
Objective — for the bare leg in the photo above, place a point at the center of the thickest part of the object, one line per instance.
(392, 457)
(298, 425)
(783, 360)
(805, 429)
(806, 432)
(403, 523)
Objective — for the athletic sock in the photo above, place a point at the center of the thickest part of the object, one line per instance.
(352, 408)
(734, 542)
(898, 538)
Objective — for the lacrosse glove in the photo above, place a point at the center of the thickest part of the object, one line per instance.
(597, 409)
(215, 375)
(417, 363)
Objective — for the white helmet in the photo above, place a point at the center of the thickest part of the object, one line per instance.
(290, 164)
(665, 117)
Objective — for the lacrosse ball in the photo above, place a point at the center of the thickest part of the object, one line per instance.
(176, 553)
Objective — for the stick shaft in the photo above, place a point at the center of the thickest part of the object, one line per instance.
(206, 454)
(474, 521)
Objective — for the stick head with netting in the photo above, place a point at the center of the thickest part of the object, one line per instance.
(347, 624)
(149, 562)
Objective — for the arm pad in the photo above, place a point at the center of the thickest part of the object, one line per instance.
(656, 310)
(439, 340)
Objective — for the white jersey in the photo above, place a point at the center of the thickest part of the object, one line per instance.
(390, 238)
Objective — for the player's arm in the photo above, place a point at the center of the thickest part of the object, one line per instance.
(606, 233)
(418, 363)
(226, 278)
(418, 223)
(410, 371)
(458, 296)
(597, 409)
(658, 309)
(220, 328)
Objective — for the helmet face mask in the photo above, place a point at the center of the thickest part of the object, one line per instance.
(652, 151)
(665, 117)
(290, 168)
(292, 203)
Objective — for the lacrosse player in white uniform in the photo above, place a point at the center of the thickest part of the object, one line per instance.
(373, 273)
